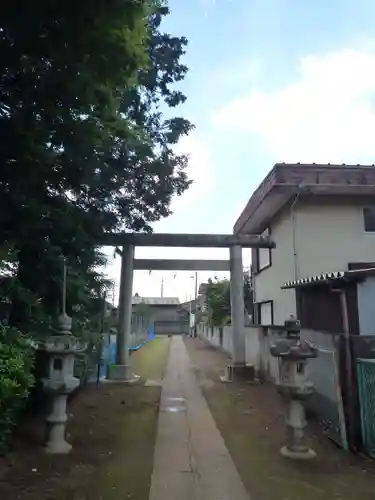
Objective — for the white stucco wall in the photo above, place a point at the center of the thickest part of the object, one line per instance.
(268, 281)
(330, 236)
(366, 306)
(327, 236)
(253, 337)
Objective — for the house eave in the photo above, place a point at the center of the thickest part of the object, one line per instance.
(256, 221)
(286, 181)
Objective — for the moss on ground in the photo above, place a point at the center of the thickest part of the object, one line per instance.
(128, 473)
(151, 362)
(113, 432)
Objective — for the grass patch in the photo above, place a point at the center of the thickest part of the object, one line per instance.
(152, 362)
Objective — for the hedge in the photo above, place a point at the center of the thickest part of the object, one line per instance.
(17, 356)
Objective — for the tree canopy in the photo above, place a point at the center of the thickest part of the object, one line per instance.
(86, 147)
(217, 299)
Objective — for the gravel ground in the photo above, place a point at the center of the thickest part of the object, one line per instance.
(112, 429)
(251, 420)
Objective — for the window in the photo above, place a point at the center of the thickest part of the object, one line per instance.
(263, 255)
(264, 313)
(369, 219)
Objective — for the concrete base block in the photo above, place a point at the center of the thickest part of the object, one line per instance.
(122, 373)
(57, 448)
(238, 372)
(153, 383)
(307, 454)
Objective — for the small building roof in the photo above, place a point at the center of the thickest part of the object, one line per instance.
(286, 180)
(155, 301)
(350, 275)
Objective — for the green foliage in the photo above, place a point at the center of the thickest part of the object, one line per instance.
(217, 298)
(85, 146)
(16, 379)
(248, 294)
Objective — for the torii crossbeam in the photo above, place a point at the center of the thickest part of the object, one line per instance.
(128, 241)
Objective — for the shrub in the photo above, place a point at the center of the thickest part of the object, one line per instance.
(17, 356)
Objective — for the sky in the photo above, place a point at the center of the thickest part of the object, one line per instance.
(269, 81)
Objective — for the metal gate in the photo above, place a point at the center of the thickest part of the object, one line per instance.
(327, 400)
(366, 393)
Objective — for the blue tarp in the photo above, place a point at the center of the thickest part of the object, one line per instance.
(151, 332)
(111, 354)
(109, 351)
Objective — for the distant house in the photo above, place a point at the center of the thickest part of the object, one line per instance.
(322, 219)
(155, 301)
(161, 308)
(166, 312)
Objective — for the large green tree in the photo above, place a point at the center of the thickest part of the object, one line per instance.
(217, 299)
(85, 145)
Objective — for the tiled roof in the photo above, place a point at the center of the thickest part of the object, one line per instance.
(156, 301)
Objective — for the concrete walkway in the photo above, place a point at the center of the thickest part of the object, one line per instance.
(191, 461)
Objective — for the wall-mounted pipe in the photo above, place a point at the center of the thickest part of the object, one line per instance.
(294, 230)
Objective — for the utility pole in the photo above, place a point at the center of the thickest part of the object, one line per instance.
(190, 313)
(162, 287)
(195, 301)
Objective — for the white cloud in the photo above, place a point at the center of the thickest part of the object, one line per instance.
(326, 115)
(199, 170)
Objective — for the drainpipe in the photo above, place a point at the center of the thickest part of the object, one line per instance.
(348, 363)
(294, 242)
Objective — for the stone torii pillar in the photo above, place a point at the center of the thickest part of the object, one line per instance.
(237, 306)
(122, 370)
(238, 367)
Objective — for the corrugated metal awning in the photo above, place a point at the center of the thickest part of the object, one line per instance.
(351, 275)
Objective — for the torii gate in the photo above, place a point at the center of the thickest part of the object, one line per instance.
(122, 370)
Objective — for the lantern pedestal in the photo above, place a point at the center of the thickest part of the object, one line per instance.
(293, 380)
(56, 422)
(60, 382)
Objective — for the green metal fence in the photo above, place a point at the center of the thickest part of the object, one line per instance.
(366, 391)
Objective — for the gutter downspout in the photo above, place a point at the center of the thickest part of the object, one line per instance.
(348, 364)
(294, 242)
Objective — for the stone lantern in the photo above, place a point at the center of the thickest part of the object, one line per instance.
(294, 355)
(59, 380)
